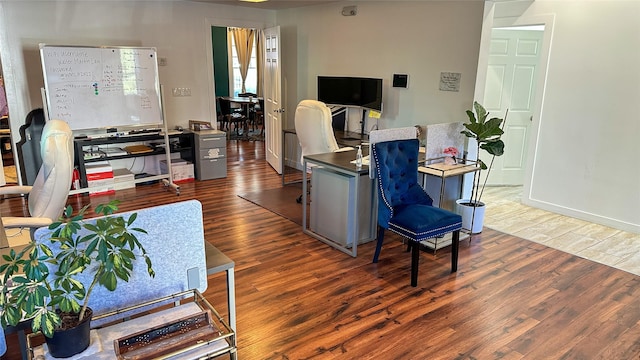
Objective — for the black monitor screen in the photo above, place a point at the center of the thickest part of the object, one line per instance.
(350, 91)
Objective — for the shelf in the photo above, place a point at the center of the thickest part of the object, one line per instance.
(183, 141)
(159, 151)
(443, 170)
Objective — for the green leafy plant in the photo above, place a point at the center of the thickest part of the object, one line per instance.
(107, 248)
(487, 134)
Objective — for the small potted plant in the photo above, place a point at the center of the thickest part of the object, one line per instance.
(487, 134)
(40, 284)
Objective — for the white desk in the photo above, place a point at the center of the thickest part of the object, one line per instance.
(340, 163)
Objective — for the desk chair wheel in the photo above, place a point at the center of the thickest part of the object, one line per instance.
(299, 199)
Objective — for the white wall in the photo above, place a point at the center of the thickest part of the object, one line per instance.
(178, 29)
(420, 39)
(586, 161)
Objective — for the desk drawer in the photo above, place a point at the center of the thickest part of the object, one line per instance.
(213, 153)
(209, 142)
(212, 169)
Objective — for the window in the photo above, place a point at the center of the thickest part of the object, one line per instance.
(251, 83)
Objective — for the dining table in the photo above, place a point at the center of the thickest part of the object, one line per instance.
(247, 103)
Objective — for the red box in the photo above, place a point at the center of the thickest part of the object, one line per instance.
(100, 178)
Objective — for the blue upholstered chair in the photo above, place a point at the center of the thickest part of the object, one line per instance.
(404, 207)
(3, 342)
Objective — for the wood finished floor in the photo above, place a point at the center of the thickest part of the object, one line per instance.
(299, 299)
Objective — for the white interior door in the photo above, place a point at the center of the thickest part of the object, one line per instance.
(273, 99)
(511, 84)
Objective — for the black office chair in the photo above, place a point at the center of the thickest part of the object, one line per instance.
(230, 117)
(29, 146)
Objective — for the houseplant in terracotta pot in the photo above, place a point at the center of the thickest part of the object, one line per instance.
(487, 134)
(40, 281)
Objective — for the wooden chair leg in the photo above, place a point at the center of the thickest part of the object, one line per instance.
(455, 244)
(415, 259)
(379, 244)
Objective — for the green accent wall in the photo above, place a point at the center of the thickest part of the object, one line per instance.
(220, 60)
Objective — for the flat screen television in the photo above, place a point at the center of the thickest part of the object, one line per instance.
(350, 91)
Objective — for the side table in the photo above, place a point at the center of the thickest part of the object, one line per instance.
(437, 168)
(218, 262)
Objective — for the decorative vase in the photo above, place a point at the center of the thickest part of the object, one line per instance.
(472, 213)
(449, 160)
(68, 342)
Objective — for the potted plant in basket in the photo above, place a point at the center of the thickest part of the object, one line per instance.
(41, 285)
(487, 134)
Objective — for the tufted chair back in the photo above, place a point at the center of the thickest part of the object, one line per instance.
(396, 164)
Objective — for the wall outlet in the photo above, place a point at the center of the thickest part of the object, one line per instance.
(181, 91)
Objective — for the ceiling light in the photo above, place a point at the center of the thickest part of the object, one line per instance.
(254, 1)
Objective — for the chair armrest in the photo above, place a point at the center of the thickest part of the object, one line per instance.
(28, 222)
(13, 190)
(346, 148)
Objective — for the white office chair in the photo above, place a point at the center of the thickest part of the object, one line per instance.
(314, 131)
(48, 195)
(313, 128)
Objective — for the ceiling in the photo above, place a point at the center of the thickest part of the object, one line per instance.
(271, 4)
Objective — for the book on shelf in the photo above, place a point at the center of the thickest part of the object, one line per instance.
(138, 149)
(114, 151)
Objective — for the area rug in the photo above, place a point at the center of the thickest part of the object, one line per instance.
(281, 201)
(251, 135)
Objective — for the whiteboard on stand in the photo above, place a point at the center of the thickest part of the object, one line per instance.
(102, 87)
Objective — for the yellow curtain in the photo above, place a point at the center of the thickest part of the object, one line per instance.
(260, 60)
(243, 39)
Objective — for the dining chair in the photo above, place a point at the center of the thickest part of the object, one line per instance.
(259, 115)
(404, 207)
(231, 117)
